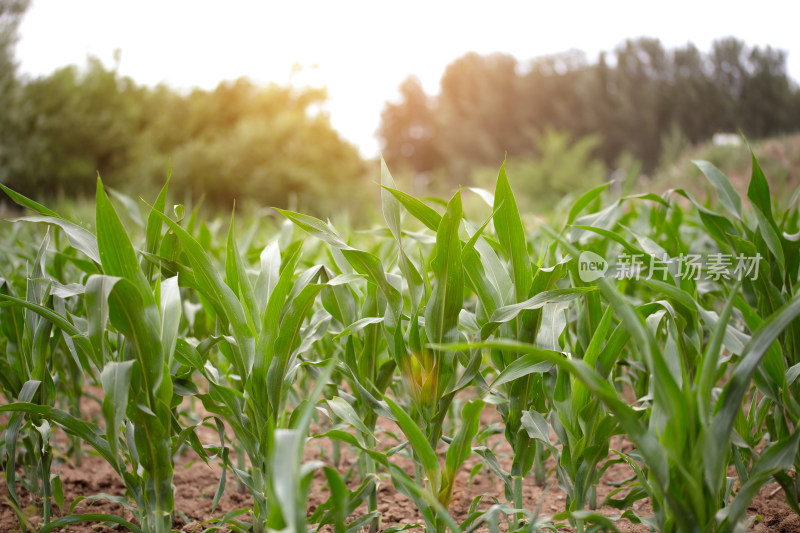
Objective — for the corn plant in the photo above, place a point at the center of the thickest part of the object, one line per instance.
(135, 379)
(774, 238)
(686, 430)
(426, 321)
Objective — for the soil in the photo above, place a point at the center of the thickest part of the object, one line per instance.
(195, 485)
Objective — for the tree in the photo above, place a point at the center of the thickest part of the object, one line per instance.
(11, 12)
(268, 144)
(693, 98)
(553, 92)
(729, 72)
(642, 82)
(72, 125)
(634, 99)
(408, 130)
(766, 94)
(480, 112)
(264, 144)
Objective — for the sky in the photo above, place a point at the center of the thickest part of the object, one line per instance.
(362, 50)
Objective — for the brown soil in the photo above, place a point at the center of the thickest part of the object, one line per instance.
(195, 484)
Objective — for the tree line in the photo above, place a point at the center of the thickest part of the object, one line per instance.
(633, 99)
(271, 144)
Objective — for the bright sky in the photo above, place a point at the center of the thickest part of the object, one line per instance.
(365, 49)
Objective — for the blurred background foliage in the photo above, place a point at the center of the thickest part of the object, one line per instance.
(270, 145)
(565, 124)
(642, 105)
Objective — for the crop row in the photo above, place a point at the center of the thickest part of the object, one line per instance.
(573, 331)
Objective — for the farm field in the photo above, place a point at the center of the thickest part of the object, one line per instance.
(627, 364)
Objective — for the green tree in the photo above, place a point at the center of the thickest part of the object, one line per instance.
(766, 99)
(641, 77)
(408, 130)
(265, 144)
(694, 100)
(729, 72)
(554, 92)
(269, 144)
(11, 12)
(638, 100)
(479, 112)
(72, 125)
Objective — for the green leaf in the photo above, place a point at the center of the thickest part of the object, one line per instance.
(98, 288)
(350, 439)
(584, 200)
(170, 316)
(154, 224)
(391, 212)
(771, 237)
(426, 502)
(117, 255)
(525, 365)
(758, 192)
(340, 497)
(287, 340)
(139, 323)
(58, 491)
(77, 336)
(484, 195)
(238, 279)
(779, 457)
(79, 238)
(599, 342)
(127, 312)
(511, 235)
(605, 523)
(269, 275)
(285, 466)
(416, 208)
(359, 324)
(727, 194)
(390, 204)
(535, 424)
(132, 210)
(116, 379)
(708, 371)
(90, 433)
(447, 299)
(719, 227)
(619, 239)
(301, 417)
(26, 394)
(510, 312)
(419, 443)
(460, 448)
(345, 411)
(337, 298)
(315, 227)
(647, 444)
(730, 401)
(24, 201)
(211, 285)
(369, 265)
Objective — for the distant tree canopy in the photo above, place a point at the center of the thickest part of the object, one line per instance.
(273, 144)
(240, 141)
(633, 99)
(11, 12)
